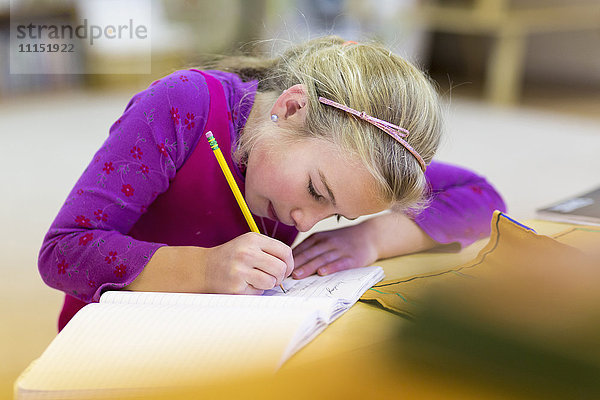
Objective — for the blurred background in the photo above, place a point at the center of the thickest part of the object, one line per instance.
(520, 80)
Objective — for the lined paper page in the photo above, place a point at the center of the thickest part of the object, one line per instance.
(117, 346)
(346, 285)
(214, 300)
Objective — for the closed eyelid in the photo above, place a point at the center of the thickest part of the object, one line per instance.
(313, 191)
(331, 195)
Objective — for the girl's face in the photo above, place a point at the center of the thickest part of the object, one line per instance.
(302, 183)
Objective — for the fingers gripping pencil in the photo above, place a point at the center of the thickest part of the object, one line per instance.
(232, 185)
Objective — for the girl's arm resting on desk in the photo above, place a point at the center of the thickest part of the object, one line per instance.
(459, 211)
(382, 236)
(461, 204)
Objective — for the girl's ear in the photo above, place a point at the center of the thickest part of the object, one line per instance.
(291, 104)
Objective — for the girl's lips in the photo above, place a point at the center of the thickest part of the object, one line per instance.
(272, 213)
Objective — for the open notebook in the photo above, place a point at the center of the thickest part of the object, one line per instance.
(132, 342)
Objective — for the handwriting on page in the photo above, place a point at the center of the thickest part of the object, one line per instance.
(324, 286)
(346, 285)
(333, 289)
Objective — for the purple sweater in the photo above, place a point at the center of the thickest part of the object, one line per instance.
(87, 249)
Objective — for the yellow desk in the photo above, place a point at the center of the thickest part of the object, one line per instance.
(356, 357)
(360, 355)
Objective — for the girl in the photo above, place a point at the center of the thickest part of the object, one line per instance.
(329, 128)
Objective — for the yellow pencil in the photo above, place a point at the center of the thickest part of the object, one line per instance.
(233, 185)
(231, 181)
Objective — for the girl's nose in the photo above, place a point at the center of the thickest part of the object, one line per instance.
(304, 219)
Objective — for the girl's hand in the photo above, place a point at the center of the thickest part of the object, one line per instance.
(331, 251)
(253, 263)
(248, 264)
(382, 236)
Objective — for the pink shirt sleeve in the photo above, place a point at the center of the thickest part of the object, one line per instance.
(86, 249)
(461, 204)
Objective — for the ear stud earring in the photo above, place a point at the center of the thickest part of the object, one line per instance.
(274, 117)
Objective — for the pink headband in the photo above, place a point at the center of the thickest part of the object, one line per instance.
(394, 131)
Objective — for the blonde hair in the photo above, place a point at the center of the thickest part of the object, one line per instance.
(366, 77)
